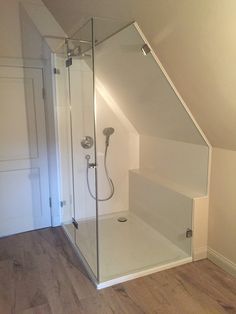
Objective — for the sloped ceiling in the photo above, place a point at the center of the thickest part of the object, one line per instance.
(196, 43)
(141, 90)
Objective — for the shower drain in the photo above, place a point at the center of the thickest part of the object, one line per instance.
(122, 219)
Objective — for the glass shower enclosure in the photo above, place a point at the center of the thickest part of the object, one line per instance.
(128, 181)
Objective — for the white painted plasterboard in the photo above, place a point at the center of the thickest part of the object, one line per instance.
(181, 100)
(45, 23)
(171, 83)
(42, 18)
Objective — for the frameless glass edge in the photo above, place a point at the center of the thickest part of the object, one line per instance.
(95, 149)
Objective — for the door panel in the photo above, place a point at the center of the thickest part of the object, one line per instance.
(16, 212)
(14, 141)
(24, 192)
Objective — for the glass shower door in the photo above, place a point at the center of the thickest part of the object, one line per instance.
(64, 143)
(81, 90)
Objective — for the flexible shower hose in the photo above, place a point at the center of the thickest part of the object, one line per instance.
(108, 179)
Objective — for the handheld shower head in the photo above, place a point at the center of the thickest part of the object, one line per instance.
(108, 132)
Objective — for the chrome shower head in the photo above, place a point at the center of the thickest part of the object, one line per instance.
(108, 132)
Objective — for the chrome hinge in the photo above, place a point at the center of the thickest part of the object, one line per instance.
(62, 203)
(56, 71)
(189, 233)
(68, 62)
(50, 202)
(75, 223)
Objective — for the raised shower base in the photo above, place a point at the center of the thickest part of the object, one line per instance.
(133, 249)
(129, 250)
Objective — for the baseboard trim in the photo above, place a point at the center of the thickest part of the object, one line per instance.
(221, 261)
(200, 253)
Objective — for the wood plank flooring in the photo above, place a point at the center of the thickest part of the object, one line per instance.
(41, 274)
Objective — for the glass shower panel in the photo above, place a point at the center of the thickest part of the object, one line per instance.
(134, 96)
(81, 84)
(141, 89)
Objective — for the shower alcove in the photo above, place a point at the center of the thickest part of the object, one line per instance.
(107, 76)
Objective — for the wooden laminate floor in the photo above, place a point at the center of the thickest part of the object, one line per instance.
(41, 274)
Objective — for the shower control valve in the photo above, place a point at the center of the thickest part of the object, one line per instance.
(90, 164)
(87, 142)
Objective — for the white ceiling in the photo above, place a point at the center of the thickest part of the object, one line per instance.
(196, 43)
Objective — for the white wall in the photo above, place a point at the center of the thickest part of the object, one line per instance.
(44, 23)
(31, 40)
(82, 117)
(123, 154)
(181, 163)
(10, 36)
(222, 230)
(141, 89)
(200, 227)
(123, 151)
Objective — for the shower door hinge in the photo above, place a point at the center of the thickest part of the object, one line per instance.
(62, 203)
(189, 233)
(75, 223)
(50, 202)
(56, 71)
(68, 62)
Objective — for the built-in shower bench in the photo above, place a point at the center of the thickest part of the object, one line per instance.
(149, 175)
(171, 209)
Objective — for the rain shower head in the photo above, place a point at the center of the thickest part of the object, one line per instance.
(108, 132)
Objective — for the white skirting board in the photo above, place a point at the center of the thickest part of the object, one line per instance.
(222, 261)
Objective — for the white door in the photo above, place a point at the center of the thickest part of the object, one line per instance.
(24, 189)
